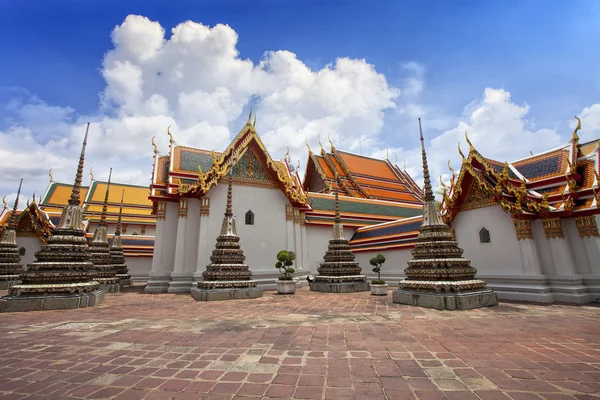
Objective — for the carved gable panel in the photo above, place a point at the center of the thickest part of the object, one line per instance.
(249, 168)
(477, 197)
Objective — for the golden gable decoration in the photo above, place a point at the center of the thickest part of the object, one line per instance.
(587, 226)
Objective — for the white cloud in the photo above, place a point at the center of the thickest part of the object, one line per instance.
(196, 82)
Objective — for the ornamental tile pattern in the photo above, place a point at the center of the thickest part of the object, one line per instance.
(250, 167)
(189, 161)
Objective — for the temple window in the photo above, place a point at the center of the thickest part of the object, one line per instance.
(249, 218)
(484, 236)
(22, 251)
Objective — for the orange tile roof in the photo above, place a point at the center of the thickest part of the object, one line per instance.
(367, 166)
(588, 147)
(366, 182)
(133, 195)
(587, 172)
(535, 168)
(59, 194)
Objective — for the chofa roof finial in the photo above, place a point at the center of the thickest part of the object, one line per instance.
(170, 136)
(50, 175)
(575, 137)
(154, 145)
(92, 173)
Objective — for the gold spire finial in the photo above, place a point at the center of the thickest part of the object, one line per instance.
(170, 136)
(575, 137)
(12, 222)
(4, 202)
(461, 153)
(154, 145)
(427, 181)
(92, 173)
(74, 200)
(471, 147)
(105, 204)
(50, 175)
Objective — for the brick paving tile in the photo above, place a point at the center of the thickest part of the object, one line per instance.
(310, 345)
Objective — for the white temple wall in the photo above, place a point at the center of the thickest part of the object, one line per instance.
(510, 266)
(546, 259)
(139, 268)
(499, 257)
(317, 239)
(393, 269)
(31, 245)
(164, 250)
(261, 241)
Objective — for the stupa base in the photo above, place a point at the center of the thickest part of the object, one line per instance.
(340, 284)
(124, 280)
(6, 283)
(234, 293)
(446, 301)
(56, 302)
(110, 288)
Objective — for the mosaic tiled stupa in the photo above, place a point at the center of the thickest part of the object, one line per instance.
(10, 266)
(339, 273)
(105, 273)
(62, 276)
(116, 252)
(227, 277)
(438, 276)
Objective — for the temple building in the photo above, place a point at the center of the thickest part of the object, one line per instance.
(40, 216)
(276, 209)
(531, 225)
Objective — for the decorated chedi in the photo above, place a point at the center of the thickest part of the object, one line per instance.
(339, 273)
(116, 252)
(438, 276)
(10, 266)
(227, 277)
(62, 276)
(106, 275)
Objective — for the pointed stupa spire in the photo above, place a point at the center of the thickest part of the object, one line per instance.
(427, 184)
(12, 222)
(228, 208)
(105, 204)
(77, 186)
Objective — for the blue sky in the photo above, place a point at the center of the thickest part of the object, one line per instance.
(543, 52)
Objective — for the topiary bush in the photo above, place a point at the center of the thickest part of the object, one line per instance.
(285, 260)
(377, 262)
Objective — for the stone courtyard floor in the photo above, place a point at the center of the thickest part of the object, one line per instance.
(306, 346)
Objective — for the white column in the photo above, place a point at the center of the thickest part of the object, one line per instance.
(566, 284)
(186, 247)
(290, 244)
(587, 229)
(163, 260)
(298, 239)
(305, 264)
(203, 251)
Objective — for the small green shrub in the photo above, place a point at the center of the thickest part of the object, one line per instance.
(377, 262)
(285, 260)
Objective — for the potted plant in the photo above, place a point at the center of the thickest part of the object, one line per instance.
(378, 286)
(285, 283)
